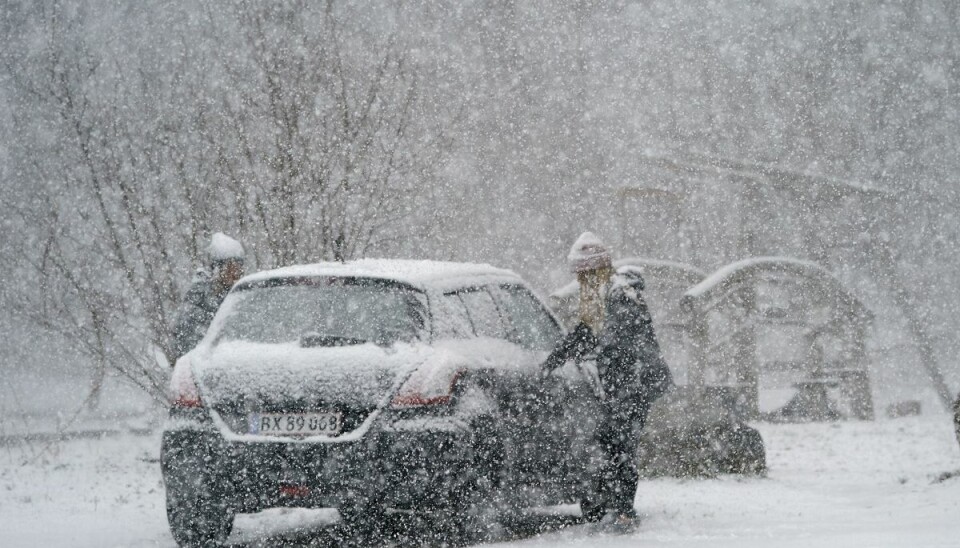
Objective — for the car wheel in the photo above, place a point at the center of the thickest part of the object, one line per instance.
(591, 510)
(197, 510)
(362, 521)
(488, 454)
(454, 518)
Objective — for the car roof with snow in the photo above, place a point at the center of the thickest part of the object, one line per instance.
(421, 274)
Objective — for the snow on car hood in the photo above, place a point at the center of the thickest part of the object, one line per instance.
(360, 374)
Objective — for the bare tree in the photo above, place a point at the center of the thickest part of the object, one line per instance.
(309, 141)
(329, 122)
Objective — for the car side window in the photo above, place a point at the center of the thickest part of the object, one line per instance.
(483, 313)
(531, 324)
(458, 321)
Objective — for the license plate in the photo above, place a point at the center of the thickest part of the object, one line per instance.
(296, 424)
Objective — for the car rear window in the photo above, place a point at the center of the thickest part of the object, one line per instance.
(346, 309)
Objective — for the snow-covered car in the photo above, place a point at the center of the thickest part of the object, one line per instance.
(374, 385)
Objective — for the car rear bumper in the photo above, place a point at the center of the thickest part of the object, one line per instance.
(403, 470)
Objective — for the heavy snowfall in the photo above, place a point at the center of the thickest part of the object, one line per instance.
(441, 273)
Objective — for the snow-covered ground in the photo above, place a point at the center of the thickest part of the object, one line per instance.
(893, 482)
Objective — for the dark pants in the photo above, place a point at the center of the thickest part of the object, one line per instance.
(616, 481)
(631, 390)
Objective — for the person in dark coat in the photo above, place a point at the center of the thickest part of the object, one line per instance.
(206, 293)
(616, 325)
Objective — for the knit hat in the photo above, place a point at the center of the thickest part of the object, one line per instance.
(223, 248)
(589, 253)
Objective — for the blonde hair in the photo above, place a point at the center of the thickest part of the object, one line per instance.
(592, 306)
(595, 277)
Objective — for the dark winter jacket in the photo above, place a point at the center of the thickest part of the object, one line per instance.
(629, 361)
(199, 305)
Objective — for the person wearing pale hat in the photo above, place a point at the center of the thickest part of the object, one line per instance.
(615, 323)
(206, 293)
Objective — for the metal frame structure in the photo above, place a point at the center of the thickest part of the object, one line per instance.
(727, 310)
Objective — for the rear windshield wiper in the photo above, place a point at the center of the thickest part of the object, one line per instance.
(310, 340)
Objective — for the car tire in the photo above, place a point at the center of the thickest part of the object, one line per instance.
(453, 518)
(591, 510)
(197, 510)
(362, 521)
(489, 454)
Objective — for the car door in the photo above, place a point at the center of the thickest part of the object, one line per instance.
(564, 403)
(523, 423)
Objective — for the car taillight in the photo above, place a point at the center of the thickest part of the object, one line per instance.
(426, 388)
(183, 389)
